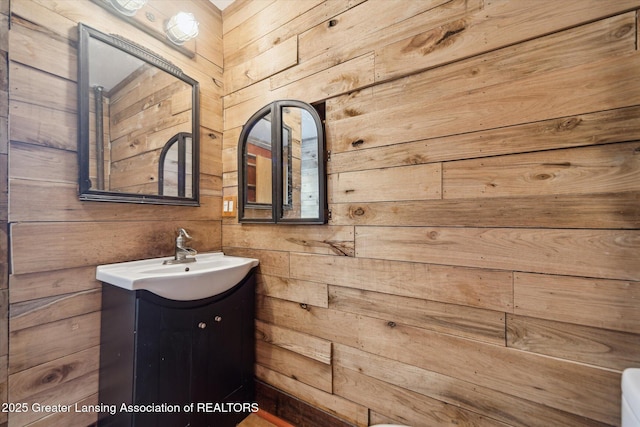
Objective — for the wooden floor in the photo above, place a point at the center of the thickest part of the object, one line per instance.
(254, 420)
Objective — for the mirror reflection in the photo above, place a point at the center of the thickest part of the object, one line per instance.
(301, 198)
(259, 164)
(137, 106)
(176, 169)
(281, 164)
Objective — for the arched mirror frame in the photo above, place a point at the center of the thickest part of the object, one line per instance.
(180, 142)
(85, 190)
(280, 202)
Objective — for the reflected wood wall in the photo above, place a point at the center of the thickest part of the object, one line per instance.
(481, 263)
(56, 240)
(4, 259)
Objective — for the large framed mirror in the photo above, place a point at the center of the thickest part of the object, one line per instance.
(138, 132)
(281, 164)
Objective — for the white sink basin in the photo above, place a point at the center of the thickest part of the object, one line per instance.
(211, 274)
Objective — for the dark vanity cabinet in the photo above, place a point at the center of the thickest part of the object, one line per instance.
(177, 363)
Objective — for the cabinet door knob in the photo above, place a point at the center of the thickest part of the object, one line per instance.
(202, 325)
(218, 319)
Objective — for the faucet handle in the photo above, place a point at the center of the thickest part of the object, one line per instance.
(183, 233)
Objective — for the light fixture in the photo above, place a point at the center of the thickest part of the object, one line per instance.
(127, 7)
(181, 27)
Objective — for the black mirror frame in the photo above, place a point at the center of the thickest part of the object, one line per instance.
(85, 193)
(180, 139)
(273, 110)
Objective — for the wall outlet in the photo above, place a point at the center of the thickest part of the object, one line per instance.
(229, 206)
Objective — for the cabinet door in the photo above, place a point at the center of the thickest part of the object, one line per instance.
(164, 368)
(223, 356)
(218, 352)
(201, 355)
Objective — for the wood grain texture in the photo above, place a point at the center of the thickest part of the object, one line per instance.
(593, 253)
(306, 345)
(144, 239)
(343, 78)
(492, 404)
(458, 39)
(276, 59)
(25, 287)
(320, 239)
(51, 374)
(465, 286)
(47, 310)
(607, 304)
(601, 169)
(328, 402)
(541, 379)
(601, 127)
(33, 346)
(55, 307)
(302, 291)
(404, 405)
(294, 365)
(615, 350)
(403, 183)
(502, 294)
(612, 210)
(4, 205)
(481, 325)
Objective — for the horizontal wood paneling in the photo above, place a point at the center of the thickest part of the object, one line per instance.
(322, 240)
(40, 344)
(330, 403)
(606, 83)
(592, 170)
(608, 304)
(615, 350)
(613, 210)
(4, 205)
(481, 325)
(49, 375)
(404, 405)
(601, 127)
(342, 78)
(64, 419)
(301, 291)
(593, 253)
(276, 59)
(25, 287)
(274, 263)
(73, 391)
(46, 310)
(406, 183)
(458, 39)
(488, 179)
(466, 286)
(311, 347)
(56, 241)
(294, 365)
(527, 375)
(56, 129)
(35, 245)
(36, 200)
(492, 404)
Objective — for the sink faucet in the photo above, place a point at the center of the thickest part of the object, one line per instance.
(182, 252)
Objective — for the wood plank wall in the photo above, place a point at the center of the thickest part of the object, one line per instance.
(482, 262)
(56, 240)
(4, 259)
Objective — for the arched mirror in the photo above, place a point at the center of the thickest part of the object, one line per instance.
(133, 106)
(281, 165)
(176, 167)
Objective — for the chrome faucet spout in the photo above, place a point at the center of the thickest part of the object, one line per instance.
(182, 252)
